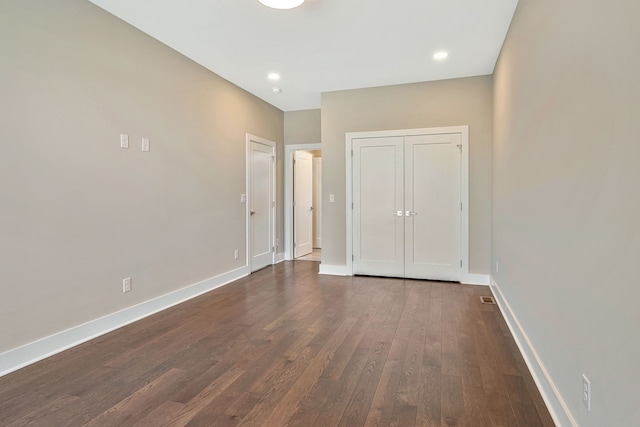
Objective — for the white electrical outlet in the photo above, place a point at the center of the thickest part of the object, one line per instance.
(235, 254)
(126, 285)
(332, 198)
(124, 141)
(145, 144)
(243, 198)
(586, 392)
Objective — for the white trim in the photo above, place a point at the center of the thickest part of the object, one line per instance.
(334, 270)
(464, 186)
(288, 194)
(279, 258)
(272, 144)
(35, 351)
(476, 279)
(550, 394)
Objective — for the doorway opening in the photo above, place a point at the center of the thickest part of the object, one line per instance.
(303, 202)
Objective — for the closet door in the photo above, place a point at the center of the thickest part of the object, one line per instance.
(432, 207)
(378, 206)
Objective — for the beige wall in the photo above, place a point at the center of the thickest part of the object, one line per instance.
(455, 102)
(566, 219)
(302, 127)
(78, 213)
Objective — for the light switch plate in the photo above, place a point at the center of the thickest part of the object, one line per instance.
(145, 144)
(126, 284)
(124, 141)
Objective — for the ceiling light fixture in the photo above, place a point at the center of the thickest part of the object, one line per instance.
(276, 90)
(440, 55)
(274, 76)
(281, 4)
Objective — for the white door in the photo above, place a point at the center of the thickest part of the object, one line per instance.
(406, 213)
(261, 204)
(378, 211)
(432, 207)
(302, 203)
(317, 202)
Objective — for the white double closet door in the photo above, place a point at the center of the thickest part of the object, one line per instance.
(407, 206)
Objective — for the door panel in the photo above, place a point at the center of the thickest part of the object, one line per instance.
(432, 191)
(378, 196)
(260, 205)
(303, 201)
(317, 202)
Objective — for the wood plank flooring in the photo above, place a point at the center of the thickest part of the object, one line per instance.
(287, 347)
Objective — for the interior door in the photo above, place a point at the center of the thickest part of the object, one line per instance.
(378, 206)
(303, 203)
(406, 212)
(261, 204)
(317, 202)
(432, 207)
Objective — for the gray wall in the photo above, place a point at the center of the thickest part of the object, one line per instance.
(566, 199)
(466, 101)
(302, 127)
(78, 213)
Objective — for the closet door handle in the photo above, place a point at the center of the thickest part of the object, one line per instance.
(397, 213)
(410, 213)
(252, 213)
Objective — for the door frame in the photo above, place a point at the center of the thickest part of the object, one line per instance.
(288, 193)
(248, 245)
(464, 186)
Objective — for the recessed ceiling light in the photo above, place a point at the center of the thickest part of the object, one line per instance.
(440, 55)
(281, 4)
(276, 90)
(274, 76)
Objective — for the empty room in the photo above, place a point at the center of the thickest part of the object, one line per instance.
(319, 213)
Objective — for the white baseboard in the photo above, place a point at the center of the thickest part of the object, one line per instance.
(334, 270)
(553, 399)
(476, 279)
(279, 258)
(20, 357)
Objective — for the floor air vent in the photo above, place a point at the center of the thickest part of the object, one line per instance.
(487, 300)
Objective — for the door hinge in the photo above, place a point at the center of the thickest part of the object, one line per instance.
(273, 249)
(460, 263)
(353, 257)
(460, 206)
(273, 158)
(294, 203)
(295, 245)
(459, 147)
(294, 162)
(273, 204)
(351, 153)
(352, 205)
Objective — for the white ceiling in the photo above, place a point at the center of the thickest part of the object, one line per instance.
(326, 45)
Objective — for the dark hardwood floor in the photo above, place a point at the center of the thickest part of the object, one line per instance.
(285, 346)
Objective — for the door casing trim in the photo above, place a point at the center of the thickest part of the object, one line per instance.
(464, 186)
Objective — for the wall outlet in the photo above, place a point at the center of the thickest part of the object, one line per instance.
(586, 392)
(126, 285)
(235, 254)
(243, 198)
(332, 198)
